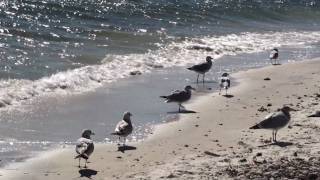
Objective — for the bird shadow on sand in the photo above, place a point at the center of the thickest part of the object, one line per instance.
(88, 173)
(279, 143)
(228, 95)
(126, 148)
(182, 112)
(277, 64)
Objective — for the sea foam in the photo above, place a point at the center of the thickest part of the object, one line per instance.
(177, 53)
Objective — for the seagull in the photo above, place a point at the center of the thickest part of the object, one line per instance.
(275, 121)
(84, 147)
(202, 68)
(316, 114)
(224, 82)
(274, 54)
(124, 127)
(179, 96)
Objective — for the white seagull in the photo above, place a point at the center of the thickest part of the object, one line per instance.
(85, 146)
(202, 68)
(224, 82)
(179, 96)
(275, 121)
(274, 54)
(124, 127)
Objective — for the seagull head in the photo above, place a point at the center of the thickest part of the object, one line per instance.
(286, 108)
(225, 75)
(209, 59)
(276, 49)
(127, 115)
(86, 133)
(188, 88)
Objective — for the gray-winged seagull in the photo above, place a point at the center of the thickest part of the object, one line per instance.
(224, 82)
(84, 147)
(179, 96)
(316, 114)
(202, 68)
(124, 127)
(275, 121)
(274, 54)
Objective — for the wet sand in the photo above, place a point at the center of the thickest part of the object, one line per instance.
(216, 141)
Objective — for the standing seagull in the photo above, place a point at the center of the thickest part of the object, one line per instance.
(224, 82)
(124, 127)
(316, 114)
(179, 96)
(84, 147)
(202, 68)
(275, 121)
(274, 54)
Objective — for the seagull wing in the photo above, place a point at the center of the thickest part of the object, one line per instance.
(121, 126)
(82, 146)
(274, 121)
(201, 67)
(178, 96)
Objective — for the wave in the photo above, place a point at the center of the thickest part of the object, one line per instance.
(181, 52)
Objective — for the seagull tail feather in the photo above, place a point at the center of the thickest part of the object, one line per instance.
(84, 156)
(190, 68)
(114, 133)
(255, 127)
(164, 97)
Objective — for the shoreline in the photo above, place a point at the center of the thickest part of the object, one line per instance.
(191, 135)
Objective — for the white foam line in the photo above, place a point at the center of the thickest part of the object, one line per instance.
(115, 67)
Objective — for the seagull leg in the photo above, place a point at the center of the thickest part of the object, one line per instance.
(203, 78)
(79, 162)
(275, 135)
(124, 141)
(272, 135)
(198, 78)
(85, 163)
(119, 141)
(220, 91)
(179, 107)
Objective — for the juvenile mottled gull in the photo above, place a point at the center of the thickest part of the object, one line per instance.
(275, 121)
(224, 82)
(84, 147)
(274, 54)
(316, 114)
(124, 127)
(179, 96)
(202, 68)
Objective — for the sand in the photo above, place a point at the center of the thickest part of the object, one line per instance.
(215, 142)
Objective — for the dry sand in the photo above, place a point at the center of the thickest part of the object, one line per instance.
(215, 142)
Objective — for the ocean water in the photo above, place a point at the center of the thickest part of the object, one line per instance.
(59, 59)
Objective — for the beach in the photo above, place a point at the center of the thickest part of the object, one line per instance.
(215, 142)
(68, 65)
